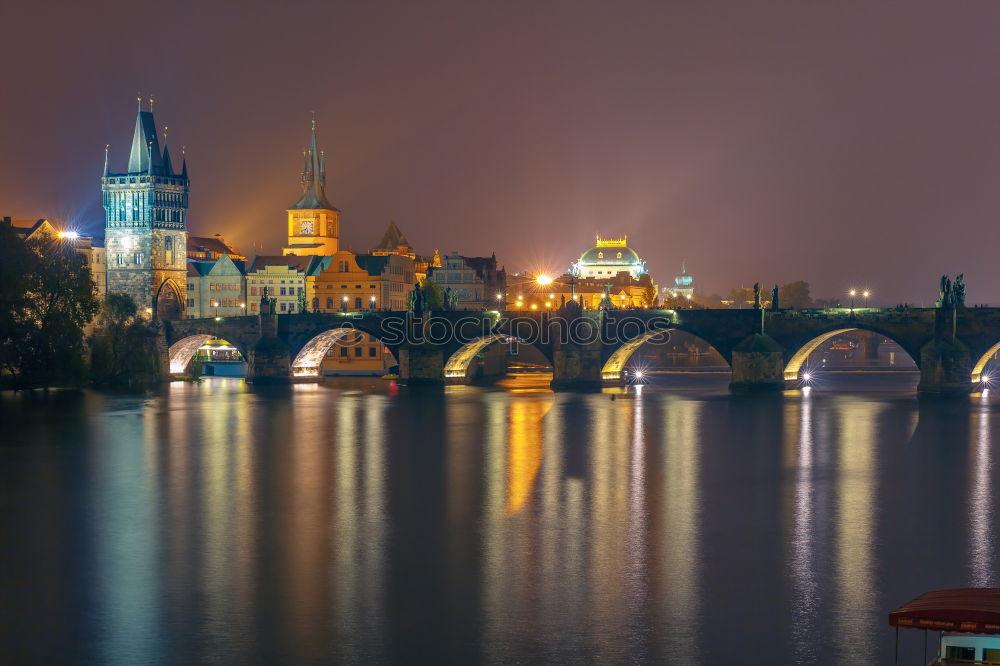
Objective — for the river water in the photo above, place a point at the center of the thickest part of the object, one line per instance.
(358, 521)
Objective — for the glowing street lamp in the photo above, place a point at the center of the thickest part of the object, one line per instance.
(543, 279)
(372, 301)
(866, 294)
(852, 293)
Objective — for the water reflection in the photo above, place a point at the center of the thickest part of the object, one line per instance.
(981, 555)
(355, 521)
(856, 486)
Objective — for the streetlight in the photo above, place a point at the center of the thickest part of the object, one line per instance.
(372, 301)
(343, 304)
(866, 294)
(215, 304)
(543, 279)
(852, 293)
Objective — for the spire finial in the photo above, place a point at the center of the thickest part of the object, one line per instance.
(313, 120)
(166, 129)
(107, 146)
(151, 100)
(138, 98)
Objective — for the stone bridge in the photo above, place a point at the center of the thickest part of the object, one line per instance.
(766, 349)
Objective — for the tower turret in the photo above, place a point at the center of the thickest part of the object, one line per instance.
(313, 222)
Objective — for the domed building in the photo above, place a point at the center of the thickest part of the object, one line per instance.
(607, 259)
(683, 285)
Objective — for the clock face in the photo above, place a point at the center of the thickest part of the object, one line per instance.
(307, 227)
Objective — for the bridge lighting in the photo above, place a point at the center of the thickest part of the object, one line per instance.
(639, 374)
(543, 279)
(806, 376)
(70, 235)
(499, 297)
(534, 307)
(520, 304)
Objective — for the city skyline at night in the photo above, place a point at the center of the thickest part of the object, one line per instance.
(830, 144)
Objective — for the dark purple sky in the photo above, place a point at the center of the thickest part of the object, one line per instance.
(844, 143)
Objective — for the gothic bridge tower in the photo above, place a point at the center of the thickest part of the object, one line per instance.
(313, 222)
(145, 224)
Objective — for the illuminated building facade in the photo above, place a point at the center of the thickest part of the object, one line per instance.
(290, 280)
(683, 285)
(610, 274)
(476, 281)
(394, 242)
(91, 248)
(210, 248)
(608, 258)
(216, 288)
(356, 282)
(145, 228)
(357, 353)
(313, 222)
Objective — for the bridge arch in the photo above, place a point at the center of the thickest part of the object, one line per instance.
(460, 361)
(616, 363)
(182, 352)
(794, 364)
(977, 369)
(309, 357)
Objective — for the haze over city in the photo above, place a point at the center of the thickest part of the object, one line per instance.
(839, 143)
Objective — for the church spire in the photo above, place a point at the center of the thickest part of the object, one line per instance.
(106, 171)
(313, 178)
(184, 162)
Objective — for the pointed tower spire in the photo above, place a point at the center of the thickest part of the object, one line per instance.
(145, 154)
(184, 162)
(313, 177)
(106, 171)
(168, 167)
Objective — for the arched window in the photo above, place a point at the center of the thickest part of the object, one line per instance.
(619, 255)
(600, 255)
(357, 303)
(315, 304)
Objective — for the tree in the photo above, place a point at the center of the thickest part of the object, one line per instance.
(434, 293)
(795, 295)
(303, 305)
(123, 347)
(649, 296)
(41, 332)
(741, 297)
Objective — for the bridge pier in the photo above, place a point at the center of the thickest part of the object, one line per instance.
(945, 368)
(758, 365)
(576, 366)
(269, 360)
(421, 364)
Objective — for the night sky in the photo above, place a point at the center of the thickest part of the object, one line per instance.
(844, 143)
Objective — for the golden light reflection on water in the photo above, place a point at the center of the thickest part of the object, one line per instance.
(678, 530)
(524, 451)
(856, 497)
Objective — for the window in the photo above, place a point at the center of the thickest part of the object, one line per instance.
(357, 303)
(138, 258)
(120, 258)
(343, 351)
(371, 352)
(253, 307)
(168, 249)
(190, 302)
(329, 304)
(357, 286)
(619, 255)
(291, 307)
(300, 290)
(283, 291)
(190, 286)
(600, 255)
(253, 291)
(283, 306)
(357, 352)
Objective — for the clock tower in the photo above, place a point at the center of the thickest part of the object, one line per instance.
(313, 222)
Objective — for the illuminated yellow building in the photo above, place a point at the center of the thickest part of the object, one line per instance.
(290, 280)
(356, 282)
(357, 353)
(313, 222)
(610, 274)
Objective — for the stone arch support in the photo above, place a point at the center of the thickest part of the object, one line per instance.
(182, 351)
(977, 369)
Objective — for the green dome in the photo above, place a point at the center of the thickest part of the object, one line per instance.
(610, 256)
